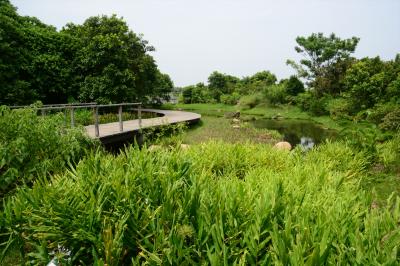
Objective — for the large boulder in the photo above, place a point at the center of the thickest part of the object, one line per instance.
(283, 145)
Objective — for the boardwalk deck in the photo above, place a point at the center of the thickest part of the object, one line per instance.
(168, 117)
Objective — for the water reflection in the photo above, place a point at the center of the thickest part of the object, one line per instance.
(298, 132)
(306, 143)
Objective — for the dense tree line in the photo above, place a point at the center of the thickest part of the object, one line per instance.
(223, 88)
(335, 83)
(101, 60)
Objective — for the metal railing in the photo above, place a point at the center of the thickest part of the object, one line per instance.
(95, 108)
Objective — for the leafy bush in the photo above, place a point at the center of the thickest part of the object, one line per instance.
(209, 204)
(250, 101)
(391, 121)
(33, 146)
(276, 94)
(294, 86)
(339, 108)
(303, 100)
(309, 102)
(379, 111)
(231, 99)
(389, 152)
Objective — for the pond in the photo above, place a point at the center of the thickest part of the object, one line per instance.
(298, 132)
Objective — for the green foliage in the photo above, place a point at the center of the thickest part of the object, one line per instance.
(294, 86)
(231, 99)
(250, 101)
(100, 60)
(379, 111)
(227, 89)
(35, 60)
(365, 83)
(32, 146)
(219, 84)
(325, 60)
(389, 152)
(196, 94)
(372, 81)
(276, 94)
(339, 108)
(309, 102)
(363, 140)
(391, 121)
(210, 204)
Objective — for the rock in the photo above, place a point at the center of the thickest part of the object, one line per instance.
(283, 145)
(278, 117)
(236, 126)
(185, 146)
(232, 114)
(235, 121)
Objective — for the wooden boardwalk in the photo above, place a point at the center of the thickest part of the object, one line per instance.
(110, 130)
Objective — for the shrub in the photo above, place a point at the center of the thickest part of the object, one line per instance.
(391, 121)
(389, 152)
(339, 108)
(379, 111)
(250, 101)
(309, 102)
(276, 94)
(210, 204)
(231, 99)
(33, 146)
(294, 86)
(303, 100)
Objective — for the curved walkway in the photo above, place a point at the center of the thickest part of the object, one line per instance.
(168, 117)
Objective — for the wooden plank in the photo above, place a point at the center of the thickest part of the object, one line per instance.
(168, 117)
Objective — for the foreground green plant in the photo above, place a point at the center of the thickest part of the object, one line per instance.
(213, 204)
(32, 146)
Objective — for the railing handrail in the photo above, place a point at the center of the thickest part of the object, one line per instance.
(52, 105)
(94, 106)
(74, 106)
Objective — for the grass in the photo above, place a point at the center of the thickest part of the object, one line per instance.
(219, 128)
(214, 203)
(266, 111)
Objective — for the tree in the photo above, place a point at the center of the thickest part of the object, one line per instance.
(265, 77)
(112, 64)
(322, 57)
(219, 84)
(294, 86)
(371, 80)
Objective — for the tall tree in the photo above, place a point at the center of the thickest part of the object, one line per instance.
(219, 84)
(112, 63)
(324, 59)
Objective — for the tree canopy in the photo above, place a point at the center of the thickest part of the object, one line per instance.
(324, 60)
(101, 60)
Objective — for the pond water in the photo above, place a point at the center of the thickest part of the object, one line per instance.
(298, 132)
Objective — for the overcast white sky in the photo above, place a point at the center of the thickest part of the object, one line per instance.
(238, 37)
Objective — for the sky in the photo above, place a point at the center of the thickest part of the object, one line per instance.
(236, 37)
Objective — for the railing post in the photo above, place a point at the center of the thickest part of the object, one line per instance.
(72, 117)
(43, 112)
(140, 117)
(96, 121)
(121, 125)
(65, 117)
